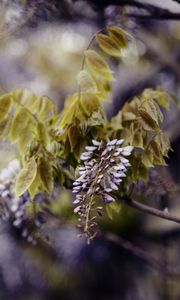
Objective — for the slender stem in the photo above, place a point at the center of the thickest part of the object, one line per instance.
(141, 253)
(155, 12)
(152, 211)
(83, 59)
(89, 45)
(163, 16)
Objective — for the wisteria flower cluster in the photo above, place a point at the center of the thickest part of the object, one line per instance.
(15, 210)
(104, 167)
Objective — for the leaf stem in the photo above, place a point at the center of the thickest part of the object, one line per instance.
(141, 253)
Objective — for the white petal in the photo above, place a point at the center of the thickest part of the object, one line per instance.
(110, 148)
(111, 143)
(77, 209)
(107, 198)
(108, 190)
(104, 152)
(76, 201)
(124, 160)
(76, 183)
(90, 148)
(113, 186)
(128, 148)
(96, 143)
(117, 153)
(120, 142)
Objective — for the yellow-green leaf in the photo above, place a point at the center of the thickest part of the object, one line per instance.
(104, 90)
(5, 126)
(86, 82)
(25, 139)
(46, 106)
(137, 139)
(163, 142)
(147, 158)
(26, 177)
(73, 135)
(113, 207)
(35, 186)
(69, 110)
(152, 108)
(46, 174)
(116, 122)
(89, 103)
(128, 116)
(159, 95)
(118, 36)
(42, 134)
(26, 98)
(108, 45)
(97, 65)
(147, 122)
(154, 148)
(5, 106)
(19, 123)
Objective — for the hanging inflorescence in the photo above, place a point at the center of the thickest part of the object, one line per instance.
(105, 166)
(25, 214)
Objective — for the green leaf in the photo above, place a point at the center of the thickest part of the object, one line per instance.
(86, 82)
(69, 110)
(89, 103)
(25, 139)
(19, 123)
(42, 134)
(104, 89)
(73, 135)
(159, 95)
(97, 118)
(137, 139)
(5, 126)
(26, 177)
(97, 65)
(116, 122)
(153, 110)
(108, 45)
(163, 142)
(5, 106)
(154, 148)
(35, 186)
(147, 158)
(113, 207)
(147, 122)
(118, 36)
(26, 98)
(128, 116)
(46, 174)
(46, 106)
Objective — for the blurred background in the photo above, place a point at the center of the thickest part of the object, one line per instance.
(137, 257)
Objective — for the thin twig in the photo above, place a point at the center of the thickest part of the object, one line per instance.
(151, 210)
(142, 254)
(155, 12)
(163, 16)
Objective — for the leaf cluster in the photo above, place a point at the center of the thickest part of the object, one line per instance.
(50, 143)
